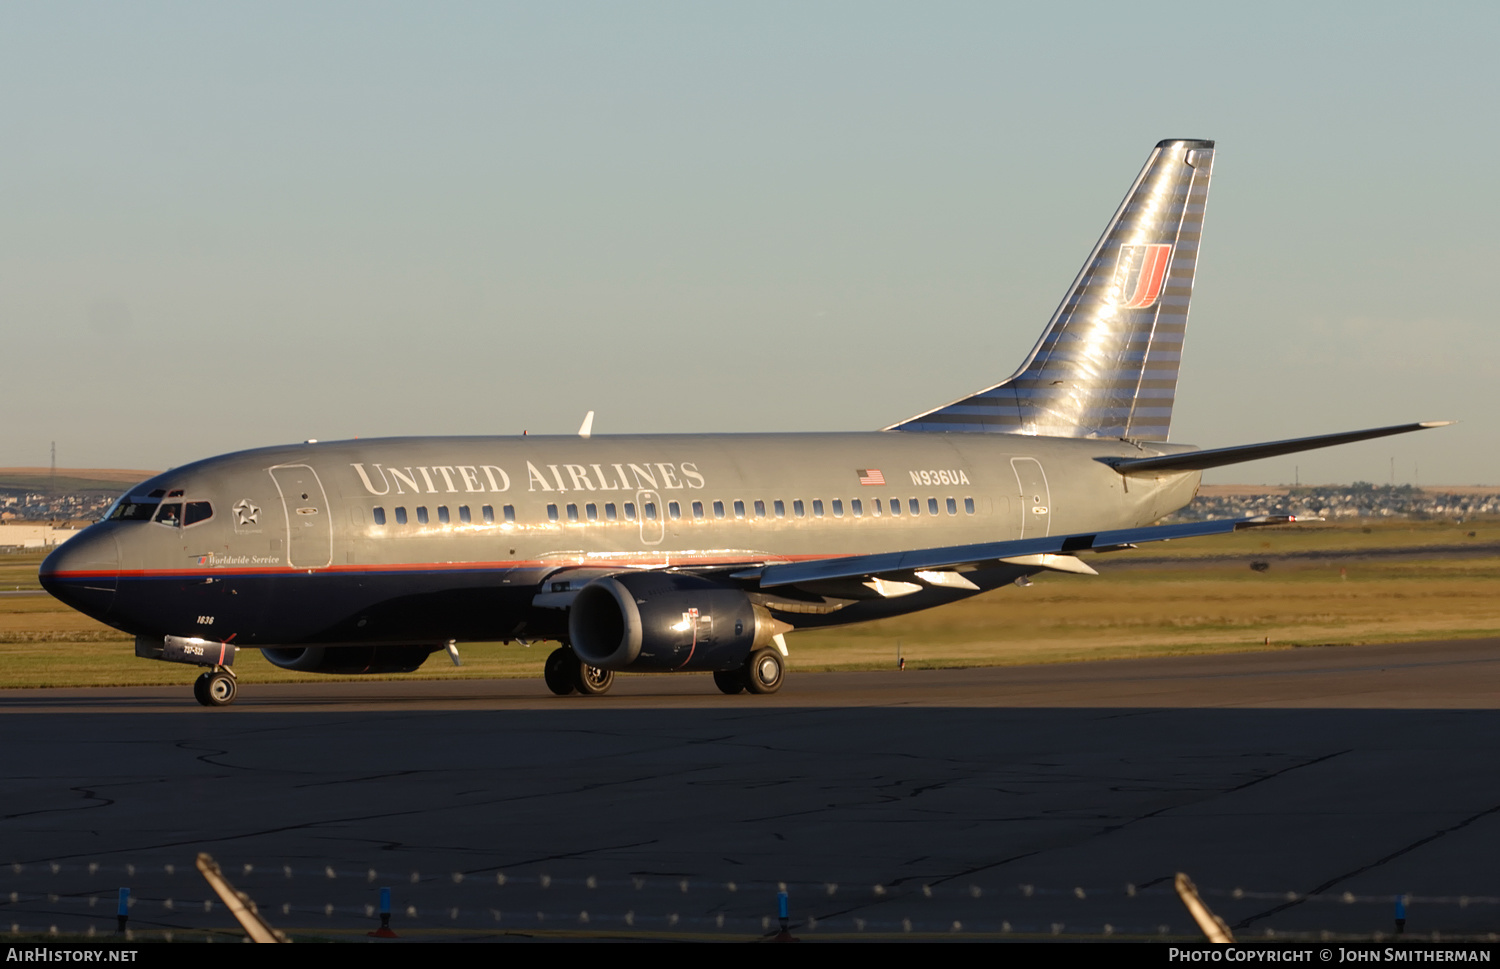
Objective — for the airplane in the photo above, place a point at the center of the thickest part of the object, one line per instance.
(683, 552)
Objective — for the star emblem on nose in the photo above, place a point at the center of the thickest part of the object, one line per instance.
(246, 513)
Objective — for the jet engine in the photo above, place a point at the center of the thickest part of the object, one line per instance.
(347, 660)
(666, 621)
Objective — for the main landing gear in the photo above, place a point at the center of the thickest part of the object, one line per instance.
(565, 673)
(761, 673)
(216, 688)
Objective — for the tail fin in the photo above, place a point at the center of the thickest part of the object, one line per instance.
(1106, 366)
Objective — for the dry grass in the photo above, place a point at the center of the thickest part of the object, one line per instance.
(1179, 610)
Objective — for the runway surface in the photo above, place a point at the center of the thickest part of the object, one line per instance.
(1024, 799)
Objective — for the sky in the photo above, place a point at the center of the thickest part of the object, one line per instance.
(234, 225)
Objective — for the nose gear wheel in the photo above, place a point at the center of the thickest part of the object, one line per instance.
(216, 688)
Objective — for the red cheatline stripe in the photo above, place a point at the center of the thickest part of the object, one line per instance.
(665, 560)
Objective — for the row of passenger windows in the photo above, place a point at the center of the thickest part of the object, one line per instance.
(738, 509)
(465, 517)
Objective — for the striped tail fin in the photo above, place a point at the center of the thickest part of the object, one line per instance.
(1106, 366)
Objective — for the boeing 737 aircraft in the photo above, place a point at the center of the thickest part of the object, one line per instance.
(684, 552)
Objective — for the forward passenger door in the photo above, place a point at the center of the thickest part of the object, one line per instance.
(309, 526)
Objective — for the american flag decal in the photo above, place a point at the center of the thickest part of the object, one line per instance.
(870, 477)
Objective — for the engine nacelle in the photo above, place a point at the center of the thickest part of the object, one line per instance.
(346, 660)
(666, 621)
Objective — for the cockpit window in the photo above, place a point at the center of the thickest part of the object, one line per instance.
(198, 511)
(170, 514)
(133, 510)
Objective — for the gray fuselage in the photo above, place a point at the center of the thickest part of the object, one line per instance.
(401, 539)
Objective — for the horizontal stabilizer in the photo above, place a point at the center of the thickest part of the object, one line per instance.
(994, 553)
(1217, 457)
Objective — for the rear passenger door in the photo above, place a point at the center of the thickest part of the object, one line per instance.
(1036, 500)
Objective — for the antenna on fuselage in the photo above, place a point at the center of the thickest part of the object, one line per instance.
(587, 428)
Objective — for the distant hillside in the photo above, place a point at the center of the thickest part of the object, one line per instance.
(70, 480)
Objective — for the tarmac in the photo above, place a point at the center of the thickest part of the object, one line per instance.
(1302, 789)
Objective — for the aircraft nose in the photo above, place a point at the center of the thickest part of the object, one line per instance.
(83, 572)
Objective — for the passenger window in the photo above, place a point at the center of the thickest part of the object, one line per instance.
(170, 514)
(760, 509)
(915, 505)
(718, 509)
(780, 508)
(510, 514)
(488, 512)
(797, 508)
(572, 513)
(198, 511)
(630, 511)
(648, 508)
(674, 510)
(838, 508)
(895, 506)
(932, 506)
(401, 515)
(552, 513)
(421, 514)
(952, 507)
(464, 516)
(443, 514)
(698, 511)
(379, 514)
(817, 507)
(739, 509)
(592, 511)
(857, 506)
(609, 511)
(969, 506)
(875, 507)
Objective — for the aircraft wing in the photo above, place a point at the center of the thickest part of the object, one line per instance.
(1043, 552)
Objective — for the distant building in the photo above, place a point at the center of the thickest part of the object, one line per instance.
(32, 535)
(1359, 500)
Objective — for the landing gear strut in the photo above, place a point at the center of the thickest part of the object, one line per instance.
(565, 673)
(216, 688)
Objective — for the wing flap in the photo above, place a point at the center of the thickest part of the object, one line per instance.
(1049, 549)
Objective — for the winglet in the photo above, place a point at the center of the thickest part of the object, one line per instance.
(587, 428)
